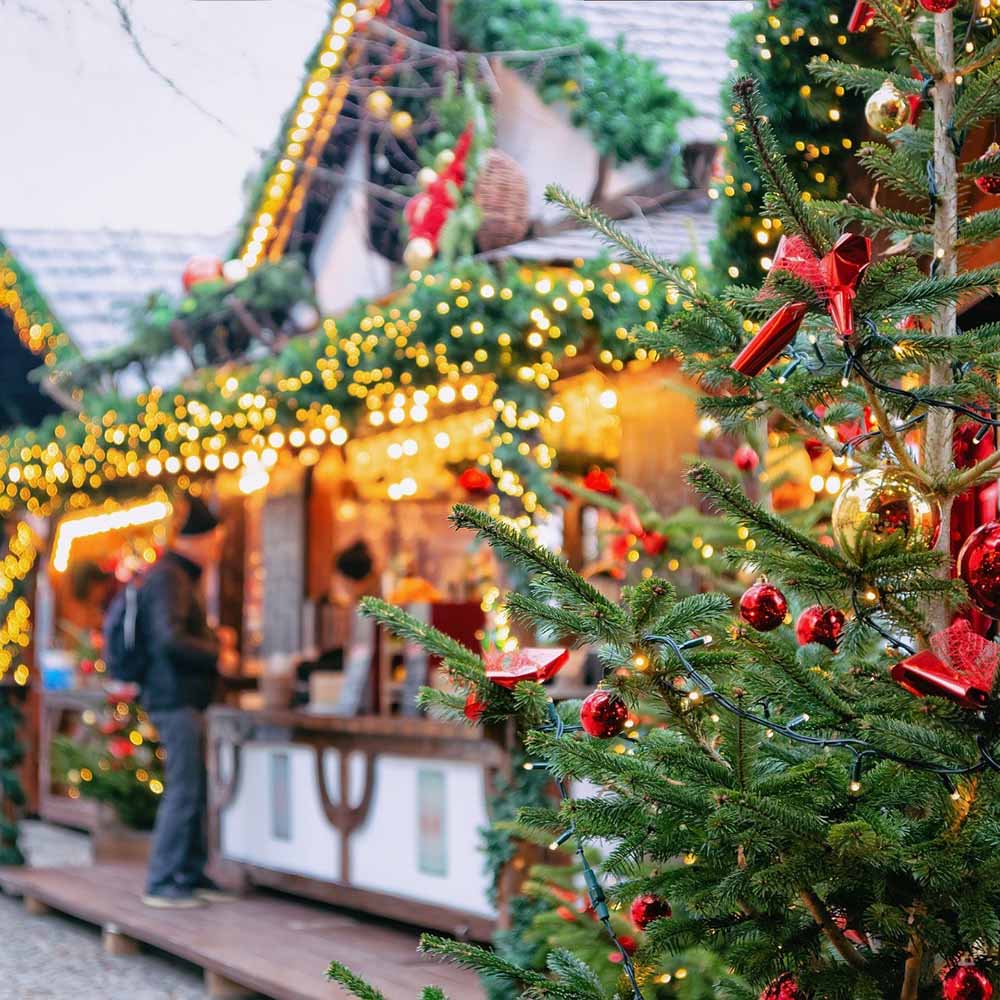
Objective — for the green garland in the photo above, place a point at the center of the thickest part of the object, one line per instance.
(512, 324)
(621, 99)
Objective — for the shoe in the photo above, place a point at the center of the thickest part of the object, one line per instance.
(172, 898)
(210, 892)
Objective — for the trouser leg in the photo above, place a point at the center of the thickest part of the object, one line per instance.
(179, 817)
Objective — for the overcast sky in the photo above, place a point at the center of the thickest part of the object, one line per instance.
(92, 137)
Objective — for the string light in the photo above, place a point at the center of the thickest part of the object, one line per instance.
(111, 518)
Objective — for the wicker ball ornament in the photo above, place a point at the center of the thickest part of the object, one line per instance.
(965, 982)
(883, 506)
(502, 196)
(763, 607)
(603, 714)
(887, 109)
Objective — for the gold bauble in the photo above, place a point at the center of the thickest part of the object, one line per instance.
(884, 507)
(379, 104)
(426, 176)
(400, 123)
(419, 253)
(444, 159)
(887, 109)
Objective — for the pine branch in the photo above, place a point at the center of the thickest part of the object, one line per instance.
(761, 145)
(433, 993)
(861, 79)
(895, 169)
(539, 562)
(733, 501)
(426, 636)
(341, 974)
(834, 934)
(979, 99)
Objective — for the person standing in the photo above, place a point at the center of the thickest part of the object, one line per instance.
(183, 656)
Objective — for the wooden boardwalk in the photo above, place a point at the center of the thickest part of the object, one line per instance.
(258, 944)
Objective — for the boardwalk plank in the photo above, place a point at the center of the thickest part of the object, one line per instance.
(275, 945)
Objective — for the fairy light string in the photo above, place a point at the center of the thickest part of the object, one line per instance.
(862, 751)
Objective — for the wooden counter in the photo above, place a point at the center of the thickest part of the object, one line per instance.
(378, 814)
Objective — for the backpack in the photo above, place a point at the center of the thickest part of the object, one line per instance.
(125, 658)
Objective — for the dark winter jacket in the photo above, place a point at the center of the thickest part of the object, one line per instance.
(183, 652)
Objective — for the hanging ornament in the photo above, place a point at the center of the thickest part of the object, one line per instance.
(378, 104)
(979, 567)
(418, 254)
(763, 607)
(842, 269)
(599, 481)
(474, 480)
(426, 176)
(400, 123)
(200, 269)
(883, 506)
(822, 625)
(939, 6)
(863, 15)
(647, 908)
(474, 708)
(770, 340)
(783, 988)
(512, 667)
(745, 458)
(965, 982)
(960, 665)
(603, 714)
(653, 543)
(990, 183)
(887, 109)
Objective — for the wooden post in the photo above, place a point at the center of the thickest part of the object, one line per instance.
(116, 943)
(219, 987)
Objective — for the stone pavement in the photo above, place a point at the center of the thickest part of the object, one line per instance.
(57, 958)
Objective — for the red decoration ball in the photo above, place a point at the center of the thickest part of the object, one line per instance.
(938, 6)
(474, 708)
(822, 625)
(979, 567)
(745, 458)
(763, 607)
(603, 714)
(989, 184)
(599, 481)
(647, 908)
(965, 982)
(783, 988)
(475, 480)
(199, 269)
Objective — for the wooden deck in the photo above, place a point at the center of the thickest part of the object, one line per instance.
(263, 943)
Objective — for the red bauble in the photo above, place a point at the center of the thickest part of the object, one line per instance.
(603, 714)
(745, 458)
(822, 625)
(990, 184)
(783, 988)
(199, 269)
(939, 6)
(628, 946)
(763, 607)
(647, 908)
(599, 481)
(474, 708)
(965, 982)
(979, 568)
(475, 480)
(653, 543)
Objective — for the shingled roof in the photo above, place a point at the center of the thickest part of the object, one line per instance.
(686, 38)
(91, 277)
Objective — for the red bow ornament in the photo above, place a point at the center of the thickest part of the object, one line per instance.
(862, 17)
(842, 269)
(512, 667)
(960, 665)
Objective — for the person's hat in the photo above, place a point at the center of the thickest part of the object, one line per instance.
(199, 519)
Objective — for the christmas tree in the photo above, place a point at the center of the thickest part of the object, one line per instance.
(818, 805)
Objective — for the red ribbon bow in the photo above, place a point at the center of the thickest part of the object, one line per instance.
(960, 665)
(770, 340)
(508, 669)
